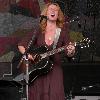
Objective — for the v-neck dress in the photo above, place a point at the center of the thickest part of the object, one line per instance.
(49, 86)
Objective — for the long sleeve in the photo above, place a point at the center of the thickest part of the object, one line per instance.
(66, 36)
(66, 39)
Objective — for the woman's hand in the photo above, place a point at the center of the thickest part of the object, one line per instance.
(30, 57)
(70, 50)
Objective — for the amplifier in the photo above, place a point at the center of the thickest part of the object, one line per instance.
(5, 70)
(10, 90)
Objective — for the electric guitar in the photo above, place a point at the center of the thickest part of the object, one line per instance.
(42, 64)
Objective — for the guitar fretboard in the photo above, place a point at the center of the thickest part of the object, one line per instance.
(54, 51)
(82, 44)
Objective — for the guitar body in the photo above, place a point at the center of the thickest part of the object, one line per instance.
(39, 67)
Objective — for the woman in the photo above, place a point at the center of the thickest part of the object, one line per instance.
(49, 86)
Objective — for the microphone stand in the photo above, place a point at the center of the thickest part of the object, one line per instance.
(27, 75)
(25, 59)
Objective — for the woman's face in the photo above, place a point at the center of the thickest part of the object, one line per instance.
(52, 12)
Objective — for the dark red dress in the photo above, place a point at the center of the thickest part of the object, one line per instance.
(49, 86)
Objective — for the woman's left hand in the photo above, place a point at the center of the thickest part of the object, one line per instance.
(70, 50)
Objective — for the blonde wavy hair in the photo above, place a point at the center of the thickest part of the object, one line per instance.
(60, 20)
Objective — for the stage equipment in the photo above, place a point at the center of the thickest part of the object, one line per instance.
(86, 98)
(5, 70)
(81, 79)
(10, 90)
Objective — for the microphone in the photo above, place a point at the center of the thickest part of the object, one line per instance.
(42, 17)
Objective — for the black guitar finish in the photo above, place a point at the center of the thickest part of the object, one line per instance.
(40, 66)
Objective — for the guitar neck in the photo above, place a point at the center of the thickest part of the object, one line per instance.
(54, 51)
(83, 43)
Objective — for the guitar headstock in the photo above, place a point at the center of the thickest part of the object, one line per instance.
(83, 43)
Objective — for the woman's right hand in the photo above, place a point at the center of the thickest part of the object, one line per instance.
(22, 50)
(30, 57)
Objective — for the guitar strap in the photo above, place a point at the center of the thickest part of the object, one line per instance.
(58, 30)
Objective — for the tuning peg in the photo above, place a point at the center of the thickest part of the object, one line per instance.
(88, 45)
(82, 47)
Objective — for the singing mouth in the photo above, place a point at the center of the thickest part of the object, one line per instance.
(52, 15)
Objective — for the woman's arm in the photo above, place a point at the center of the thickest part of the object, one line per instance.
(70, 50)
(21, 49)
